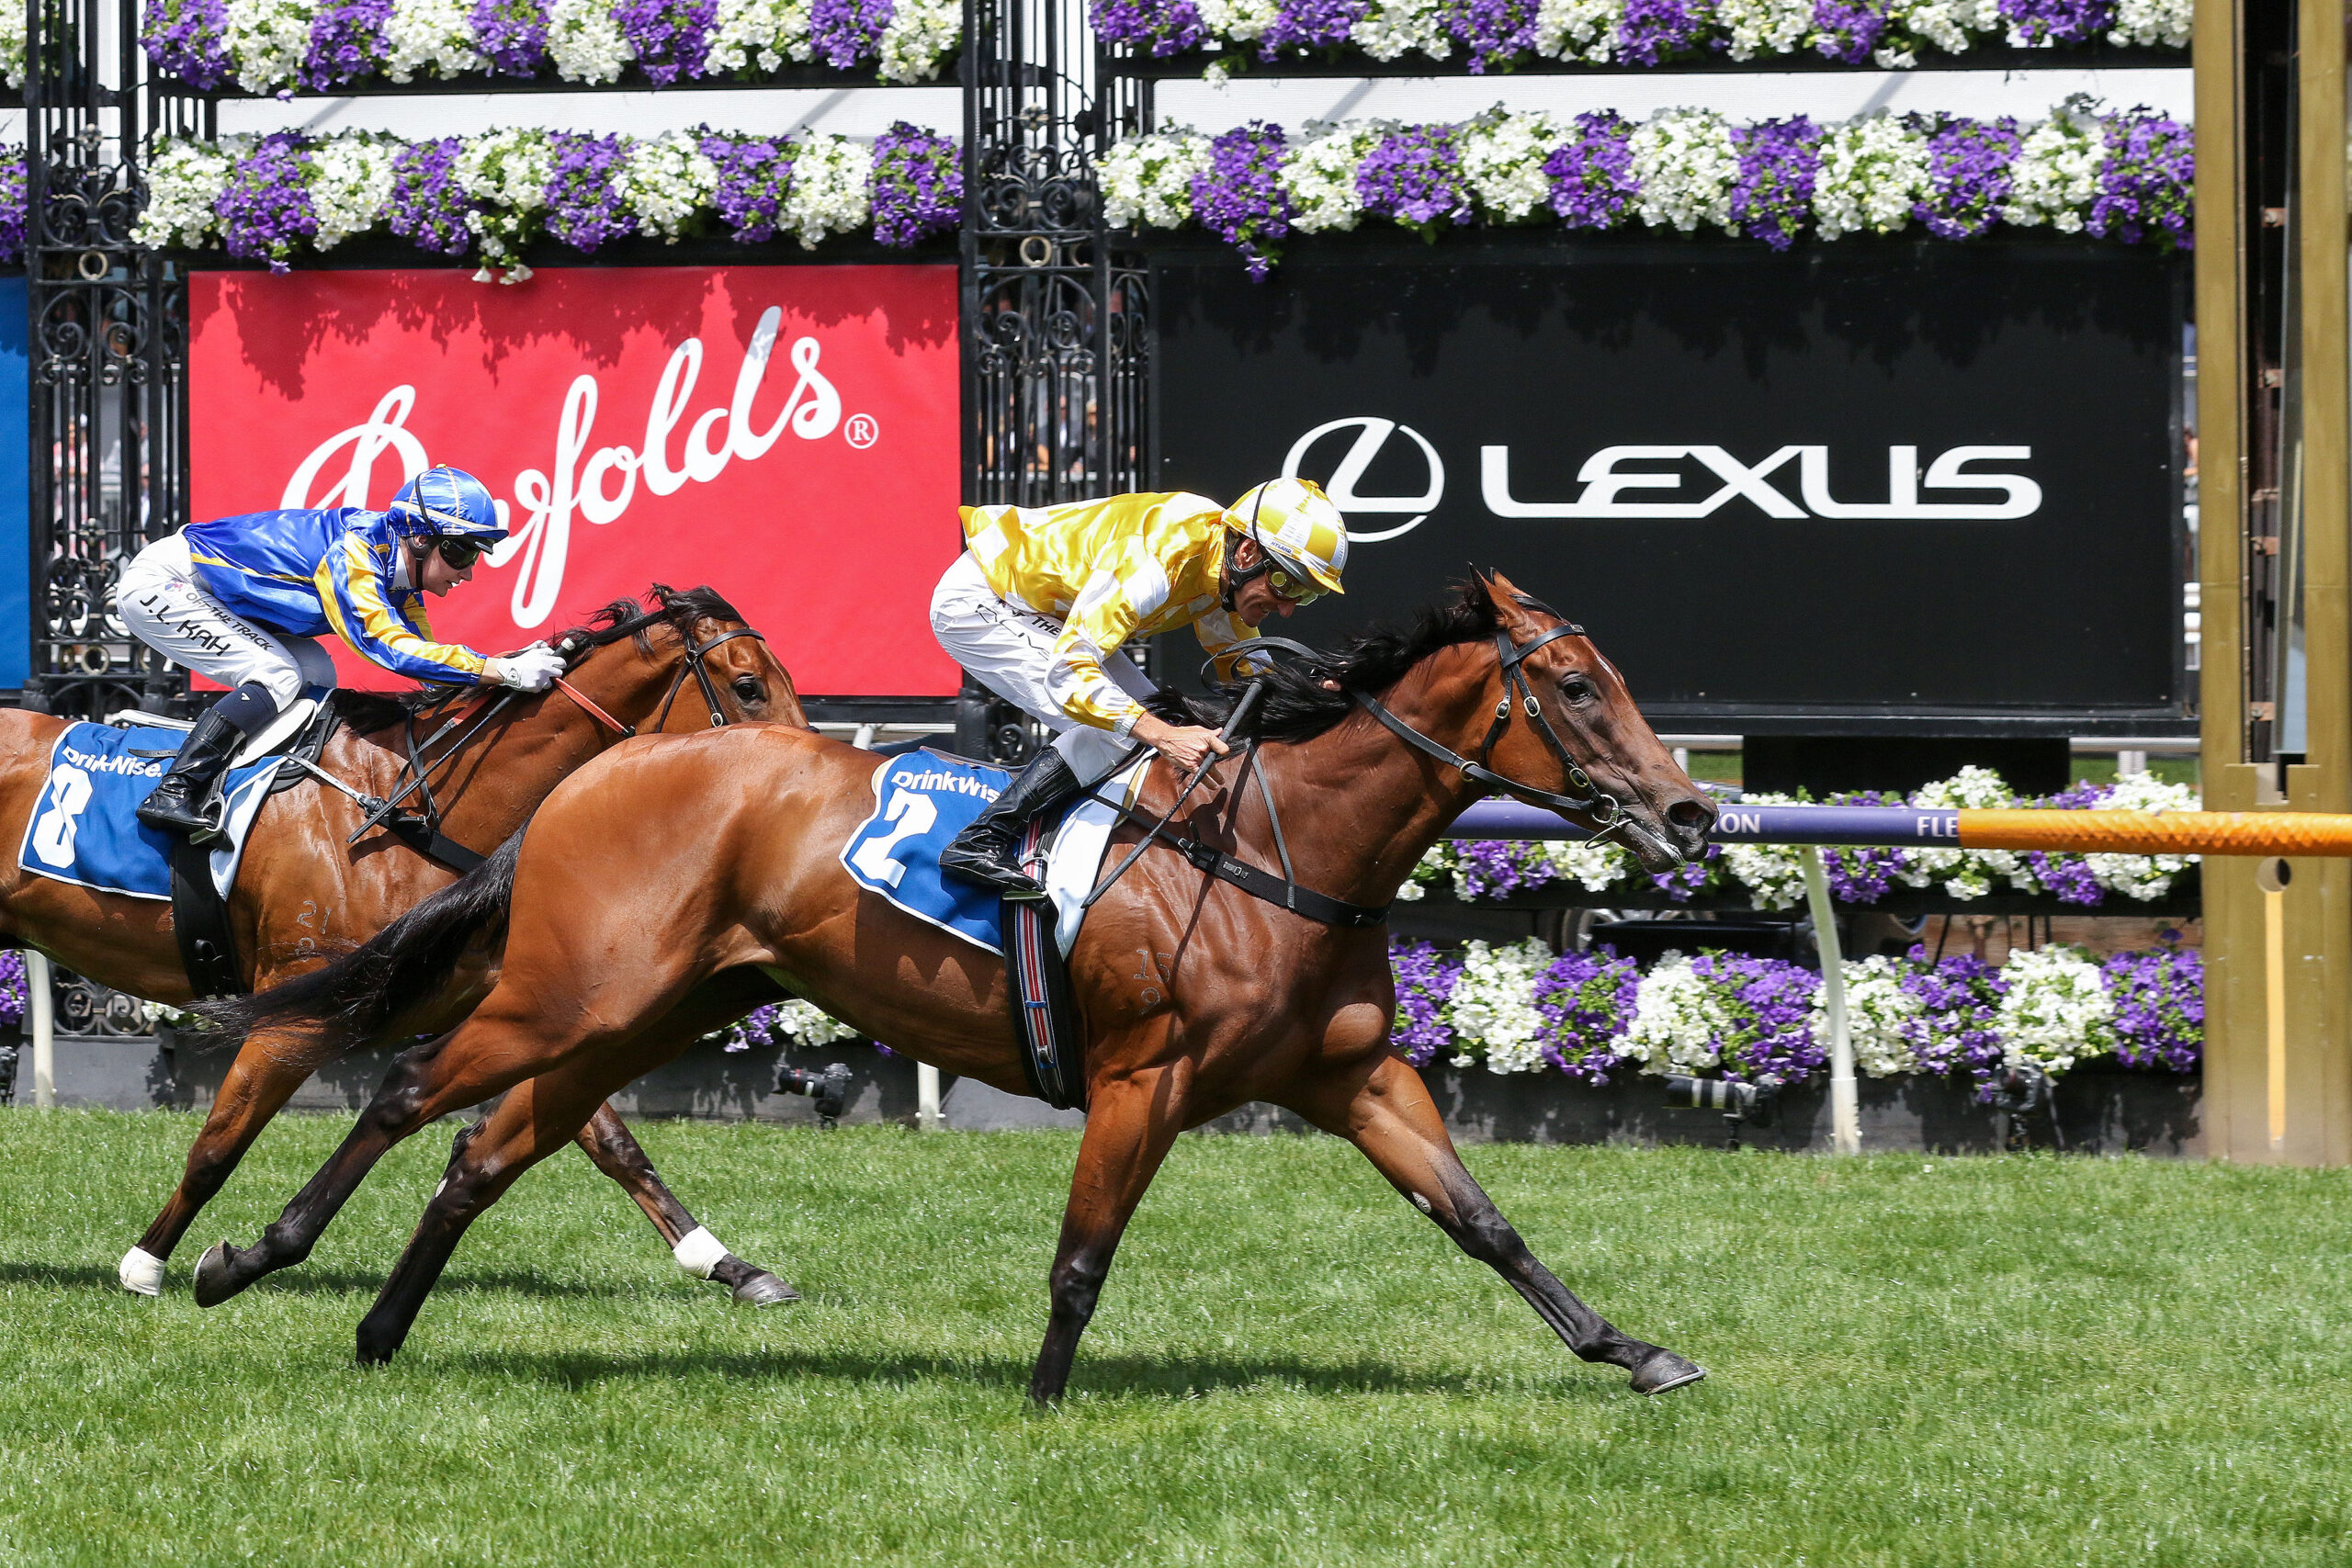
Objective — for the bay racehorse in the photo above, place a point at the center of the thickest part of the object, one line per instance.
(658, 893)
(303, 894)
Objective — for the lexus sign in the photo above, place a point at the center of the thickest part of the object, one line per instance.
(1884, 484)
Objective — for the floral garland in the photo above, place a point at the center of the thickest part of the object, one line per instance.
(1517, 1009)
(1772, 876)
(274, 198)
(273, 46)
(1495, 35)
(2121, 176)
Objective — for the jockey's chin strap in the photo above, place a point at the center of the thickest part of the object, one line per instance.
(1591, 799)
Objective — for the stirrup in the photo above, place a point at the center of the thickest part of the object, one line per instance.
(988, 871)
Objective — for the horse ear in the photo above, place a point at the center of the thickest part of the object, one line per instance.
(1506, 598)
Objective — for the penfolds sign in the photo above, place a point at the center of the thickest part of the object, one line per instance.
(788, 434)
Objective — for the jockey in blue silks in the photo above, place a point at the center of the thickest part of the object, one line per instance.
(243, 600)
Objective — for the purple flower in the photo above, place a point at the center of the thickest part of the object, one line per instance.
(1415, 176)
(1848, 30)
(1771, 1005)
(265, 211)
(672, 37)
(2069, 876)
(1969, 173)
(1425, 981)
(1690, 877)
(1311, 23)
(2144, 184)
(2058, 21)
(346, 42)
(1496, 868)
(12, 249)
(13, 994)
(1587, 1003)
(428, 206)
(2159, 1007)
(1492, 32)
(917, 187)
(584, 195)
(755, 177)
(186, 39)
(1652, 30)
(846, 31)
(512, 35)
(1772, 196)
(1169, 26)
(1239, 196)
(1961, 996)
(1592, 176)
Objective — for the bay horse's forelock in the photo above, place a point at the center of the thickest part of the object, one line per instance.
(653, 892)
(302, 894)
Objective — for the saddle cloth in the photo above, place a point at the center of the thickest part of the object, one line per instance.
(924, 798)
(83, 829)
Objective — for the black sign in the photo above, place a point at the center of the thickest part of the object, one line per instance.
(1873, 485)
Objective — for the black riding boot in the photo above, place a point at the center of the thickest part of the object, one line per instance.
(183, 802)
(984, 851)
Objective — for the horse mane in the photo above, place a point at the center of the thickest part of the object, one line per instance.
(678, 608)
(1297, 706)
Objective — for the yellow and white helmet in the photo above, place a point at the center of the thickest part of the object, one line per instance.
(1302, 532)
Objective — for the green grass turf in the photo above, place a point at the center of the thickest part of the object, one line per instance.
(1913, 1361)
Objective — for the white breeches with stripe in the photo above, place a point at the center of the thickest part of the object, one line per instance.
(165, 606)
(1008, 650)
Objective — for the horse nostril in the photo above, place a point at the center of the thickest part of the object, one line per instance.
(1690, 813)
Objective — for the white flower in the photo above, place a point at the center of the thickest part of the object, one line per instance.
(810, 1024)
(2055, 174)
(1764, 26)
(666, 181)
(266, 39)
(1678, 1020)
(585, 41)
(1493, 1004)
(1685, 164)
(1579, 29)
(2142, 877)
(1877, 1007)
(12, 45)
(1871, 171)
(1238, 19)
(1393, 26)
(507, 172)
(918, 37)
(828, 194)
(1950, 25)
(762, 33)
(1320, 174)
(2161, 22)
(1594, 866)
(433, 36)
(1966, 874)
(2056, 1011)
(1147, 181)
(1502, 161)
(183, 180)
(350, 186)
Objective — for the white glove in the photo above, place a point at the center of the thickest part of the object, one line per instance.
(533, 669)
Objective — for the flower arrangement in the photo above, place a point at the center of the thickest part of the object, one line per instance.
(787, 1024)
(1495, 35)
(274, 46)
(1517, 1009)
(275, 198)
(12, 205)
(2121, 176)
(1772, 876)
(14, 996)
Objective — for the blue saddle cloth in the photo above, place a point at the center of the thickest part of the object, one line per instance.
(922, 800)
(84, 829)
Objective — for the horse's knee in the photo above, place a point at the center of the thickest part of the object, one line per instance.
(615, 1153)
(1076, 1285)
(1480, 1229)
(208, 1171)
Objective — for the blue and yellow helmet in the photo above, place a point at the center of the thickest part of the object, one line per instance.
(445, 503)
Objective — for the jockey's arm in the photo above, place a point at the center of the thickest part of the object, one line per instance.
(352, 594)
(1105, 615)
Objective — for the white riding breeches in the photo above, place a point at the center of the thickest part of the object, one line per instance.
(1009, 649)
(166, 606)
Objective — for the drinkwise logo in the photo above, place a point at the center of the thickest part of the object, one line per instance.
(1666, 482)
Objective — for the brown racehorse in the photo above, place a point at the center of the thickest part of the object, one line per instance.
(651, 893)
(303, 894)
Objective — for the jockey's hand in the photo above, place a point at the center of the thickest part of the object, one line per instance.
(1183, 745)
(533, 669)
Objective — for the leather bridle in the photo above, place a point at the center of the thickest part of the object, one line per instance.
(1603, 806)
(692, 661)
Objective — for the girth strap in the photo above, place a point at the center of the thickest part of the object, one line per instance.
(201, 924)
(1320, 907)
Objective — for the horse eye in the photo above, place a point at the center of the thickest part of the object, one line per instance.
(748, 687)
(1577, 689)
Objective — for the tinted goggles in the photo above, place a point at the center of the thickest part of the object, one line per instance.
(1300, 590)
(458, 554)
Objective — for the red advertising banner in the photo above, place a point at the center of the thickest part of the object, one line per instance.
(787, 435)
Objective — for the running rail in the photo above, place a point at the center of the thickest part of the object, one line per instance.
(2077, 832)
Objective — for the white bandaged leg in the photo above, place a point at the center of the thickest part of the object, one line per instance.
(166, 607)
(698, 1252)
(141, 1273)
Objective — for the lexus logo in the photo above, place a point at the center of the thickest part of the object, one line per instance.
(1372, 435)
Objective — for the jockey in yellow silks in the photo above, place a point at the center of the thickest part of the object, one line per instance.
(1039, 604)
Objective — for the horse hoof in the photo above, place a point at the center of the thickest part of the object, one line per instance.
(1663, 1369)
(216, 1279)
(764, 1289)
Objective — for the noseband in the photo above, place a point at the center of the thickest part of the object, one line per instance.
(1603, 805)
(692, 661)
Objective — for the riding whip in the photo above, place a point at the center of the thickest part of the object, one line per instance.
(1233, 723)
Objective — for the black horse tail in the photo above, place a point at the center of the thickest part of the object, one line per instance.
(356, 998)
